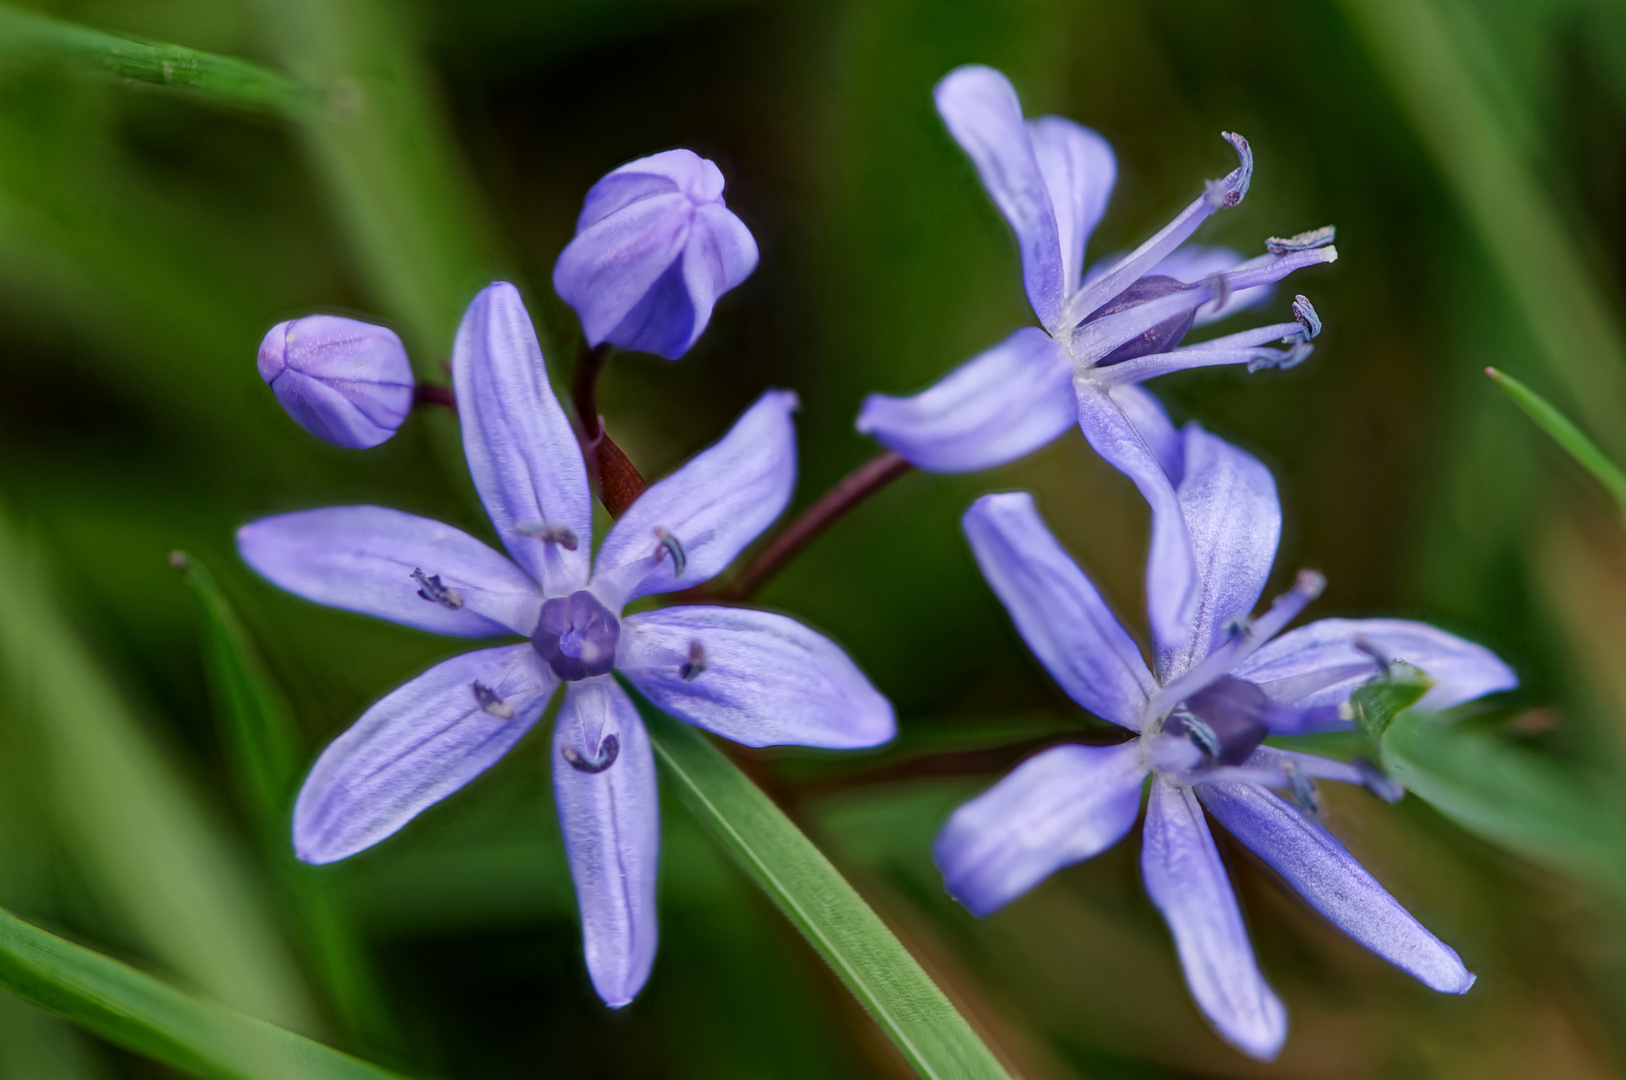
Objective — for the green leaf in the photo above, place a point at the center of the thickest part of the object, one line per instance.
(853, 940)
(1510, 796)
(221, 78)
(1378, 702)
(263, 742)
(144, 842)
(141, 1013)
(1566, 434)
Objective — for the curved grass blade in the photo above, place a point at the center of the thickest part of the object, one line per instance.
(141, 1013)
(1566, 434)
(220, 78)
(263, 744)
(853, 940)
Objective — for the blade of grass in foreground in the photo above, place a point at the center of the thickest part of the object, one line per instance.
(25, 33)
(853, 940)
(263, 744)
(140, 1013)
(1566, 434)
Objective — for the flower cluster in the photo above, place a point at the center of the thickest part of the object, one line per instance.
(655, 247)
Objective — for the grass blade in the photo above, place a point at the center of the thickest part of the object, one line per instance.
(853, 940)
(263, 744)
(1566, 434)
(220, 78)
(141, 1013)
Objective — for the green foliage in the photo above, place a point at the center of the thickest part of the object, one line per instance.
(220, 78)
(1570, 438)
(150, 1017)
(836, 921)
(1378, 703)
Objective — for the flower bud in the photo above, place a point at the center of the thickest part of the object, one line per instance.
(345, 381)
(655, 247)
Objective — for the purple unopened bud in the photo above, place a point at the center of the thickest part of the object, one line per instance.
(655, 247)
(345, 381)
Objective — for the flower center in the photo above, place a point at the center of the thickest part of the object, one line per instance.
(1225, 720)
(577, 636)
(1160, 338)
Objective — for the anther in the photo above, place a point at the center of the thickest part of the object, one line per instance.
(563, 535)
(431, 588)
(1229, 191)
(671, 545)
(1374, 780)
(692, 667)
(1304, 314)
(490, 702)
(609, 748)
(1199, 731)
(1310, 583)
(1304, 241)
(1301, 789)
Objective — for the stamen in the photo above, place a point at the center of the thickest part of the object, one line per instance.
(1198, 730)
(1304, 314)
(1374, 779)
(1245, 638)
(563, 535)
(431, 588)
(1304, 241)
(608, 750)
(671, 545)
(1301, 789)
(1229, 191)
(1221, 287)
(691, 669)
(490, 702)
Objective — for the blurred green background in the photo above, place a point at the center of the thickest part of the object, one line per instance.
(1473, 157)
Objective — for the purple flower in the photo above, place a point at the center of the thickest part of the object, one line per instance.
(655, 247)
(754, 677)
(1199, 723)
(345, 381)
(1100, 336)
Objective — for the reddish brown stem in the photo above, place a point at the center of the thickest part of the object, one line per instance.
(853, 489)
(619, 481)
(434, 394)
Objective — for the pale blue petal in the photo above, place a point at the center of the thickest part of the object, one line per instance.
(1079, 169)
(1317, 866)
(757, 678)
(1461, 670)
(610, 817)
(1173, 589)
(422, 742)
(1232, 515)
(1188, 883)
(982, 112)
(1055, 809)
(1057, 610)
(705, 513)
(1000, 406)
(363, 558)
(523, 455)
